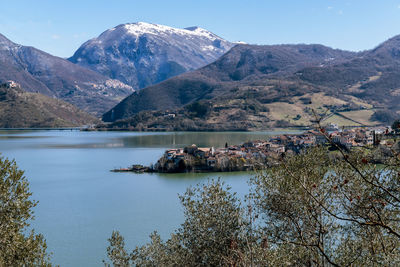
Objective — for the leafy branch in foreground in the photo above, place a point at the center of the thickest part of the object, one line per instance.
(318, 208)
(330, 212)
(216, 232)
(17, 248)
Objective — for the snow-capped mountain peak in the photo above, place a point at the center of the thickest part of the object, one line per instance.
(146, 29)
(141, 28)
(141, 54)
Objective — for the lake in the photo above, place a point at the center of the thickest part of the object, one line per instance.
(81, 202)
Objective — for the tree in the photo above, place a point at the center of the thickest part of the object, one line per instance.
(385, 116)
(291, 216)
(16, 247)
(332, 211)
(318, 208)
(116, 251)
(216, 232)
(199, 108)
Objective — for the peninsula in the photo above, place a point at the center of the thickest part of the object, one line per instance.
(258, 154)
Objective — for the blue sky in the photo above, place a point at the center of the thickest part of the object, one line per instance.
(60, 27)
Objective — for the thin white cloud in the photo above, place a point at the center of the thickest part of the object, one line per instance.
(55, 36)
(79, 35)
(340, 12)
(330, 7)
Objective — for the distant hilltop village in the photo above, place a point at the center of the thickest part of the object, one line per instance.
(258, 154)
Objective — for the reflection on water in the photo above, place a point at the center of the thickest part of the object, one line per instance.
(77, 139)
(204, 175)
(81, 202)
(202, 139)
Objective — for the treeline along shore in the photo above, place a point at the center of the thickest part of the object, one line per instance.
(258, 154)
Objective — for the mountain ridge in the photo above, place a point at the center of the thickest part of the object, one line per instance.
(372, 76)
(142, 54)
(239, 65)
(38, 71)
(262, 87)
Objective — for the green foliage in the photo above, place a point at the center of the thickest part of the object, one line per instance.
(282, 124)
(335, 212)
(184, 121)
(17, 248)
(385, 116)
(116, 251)
(216, 232)
(313, 209)
(212, 220)
(198, 109)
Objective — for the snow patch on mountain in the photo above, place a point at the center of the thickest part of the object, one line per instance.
(141, 54)
(157, 29)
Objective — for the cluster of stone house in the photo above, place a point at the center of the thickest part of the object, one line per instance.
(361, 136)
(346, 138)
(230, 158)
(252, 153)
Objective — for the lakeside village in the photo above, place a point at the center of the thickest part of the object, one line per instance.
(258, 154)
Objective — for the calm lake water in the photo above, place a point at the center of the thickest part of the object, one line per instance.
(81, 202)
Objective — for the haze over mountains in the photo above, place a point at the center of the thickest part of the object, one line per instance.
(141, 54)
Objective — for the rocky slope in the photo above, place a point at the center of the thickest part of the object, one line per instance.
(141, 54)
(20, 109)
(38, 71)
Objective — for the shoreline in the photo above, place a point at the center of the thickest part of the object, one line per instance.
(260, 154)
(302, 128)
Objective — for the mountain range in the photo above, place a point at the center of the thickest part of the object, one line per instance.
(373, 76)
(243, 65)
(110, 67)
(142, 54)
(180, 79)
(273, 86)
(37, 71)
